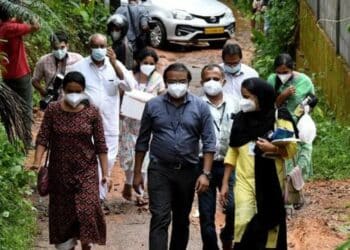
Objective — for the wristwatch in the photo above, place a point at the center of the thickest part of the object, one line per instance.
(207, 174)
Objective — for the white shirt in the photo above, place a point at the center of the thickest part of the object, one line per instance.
(234, 82)
(102, 88)
(222, 118)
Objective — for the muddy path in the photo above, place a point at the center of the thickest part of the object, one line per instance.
(322, 224)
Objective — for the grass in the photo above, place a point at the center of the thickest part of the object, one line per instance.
(332, 145)
(17, 215)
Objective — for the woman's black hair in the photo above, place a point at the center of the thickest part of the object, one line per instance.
(74, 76)
(179, 67)
(231, 49)
(262, 90)
(143, 54)
(284, 59)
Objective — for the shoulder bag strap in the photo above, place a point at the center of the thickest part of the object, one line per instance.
(131, 19)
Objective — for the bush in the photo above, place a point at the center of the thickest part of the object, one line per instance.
(282, 17)
(17, 216)
(78, 20)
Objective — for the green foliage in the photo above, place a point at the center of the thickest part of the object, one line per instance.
(18, 11)
(331, 147)
(17, 216)
(243, 5)
(78, 20)
(345, 246)
(282, 17)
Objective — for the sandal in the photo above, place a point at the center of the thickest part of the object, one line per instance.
(141, 201)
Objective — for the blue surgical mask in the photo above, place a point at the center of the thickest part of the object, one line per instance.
(99, 54)
(59, 54)
(232, 70)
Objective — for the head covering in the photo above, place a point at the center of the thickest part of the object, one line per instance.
(251, 125)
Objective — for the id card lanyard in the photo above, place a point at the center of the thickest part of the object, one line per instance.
(218, 126)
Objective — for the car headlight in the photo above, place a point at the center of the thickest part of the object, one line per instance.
(229, 14)
(182, 15)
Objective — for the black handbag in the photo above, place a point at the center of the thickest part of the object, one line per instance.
(43, 177)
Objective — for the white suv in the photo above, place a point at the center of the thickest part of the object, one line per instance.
(189, 21)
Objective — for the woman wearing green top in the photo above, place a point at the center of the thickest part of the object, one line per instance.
(292, 88)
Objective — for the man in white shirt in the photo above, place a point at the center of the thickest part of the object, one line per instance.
(235, 71)
(105, 76)
(222, 106)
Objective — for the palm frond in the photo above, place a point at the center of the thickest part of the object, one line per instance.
(13, 114)
(17, 10)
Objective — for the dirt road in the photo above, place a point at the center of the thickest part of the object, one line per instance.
(322, 224)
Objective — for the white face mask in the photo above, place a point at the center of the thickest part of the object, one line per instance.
(99, 54)
(115, 35)
(59, 54)
(212, 87)
(177, 90)
(284, 77)
(247, 105)
(74, 99)
(147, 69)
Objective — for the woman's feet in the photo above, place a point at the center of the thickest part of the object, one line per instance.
(127, 192)
(141, 201)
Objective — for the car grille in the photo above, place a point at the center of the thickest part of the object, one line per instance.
(210, 19)
(182, 30)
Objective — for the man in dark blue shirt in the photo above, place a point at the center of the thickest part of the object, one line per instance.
(176, 121)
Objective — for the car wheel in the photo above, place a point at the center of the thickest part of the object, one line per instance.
(157, 38)
(217, 44)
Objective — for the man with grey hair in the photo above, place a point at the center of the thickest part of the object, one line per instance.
(105, 77)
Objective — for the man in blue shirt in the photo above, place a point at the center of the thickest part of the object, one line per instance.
(176, 121)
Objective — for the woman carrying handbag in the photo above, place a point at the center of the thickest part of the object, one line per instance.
(75, 132)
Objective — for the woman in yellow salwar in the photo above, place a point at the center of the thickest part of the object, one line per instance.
(260, 221)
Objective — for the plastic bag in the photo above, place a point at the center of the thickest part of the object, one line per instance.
(306, 127)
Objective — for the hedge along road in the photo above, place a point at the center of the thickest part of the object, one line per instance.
(322, 224)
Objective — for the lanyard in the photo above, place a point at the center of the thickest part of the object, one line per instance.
(221, 118)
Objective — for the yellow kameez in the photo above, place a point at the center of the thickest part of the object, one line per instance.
(244, 189)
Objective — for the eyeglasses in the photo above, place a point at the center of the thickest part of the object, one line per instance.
(171, 81)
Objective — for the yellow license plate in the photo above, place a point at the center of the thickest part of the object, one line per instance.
(214, 30)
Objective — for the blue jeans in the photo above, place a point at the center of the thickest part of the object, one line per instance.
(207, 209)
